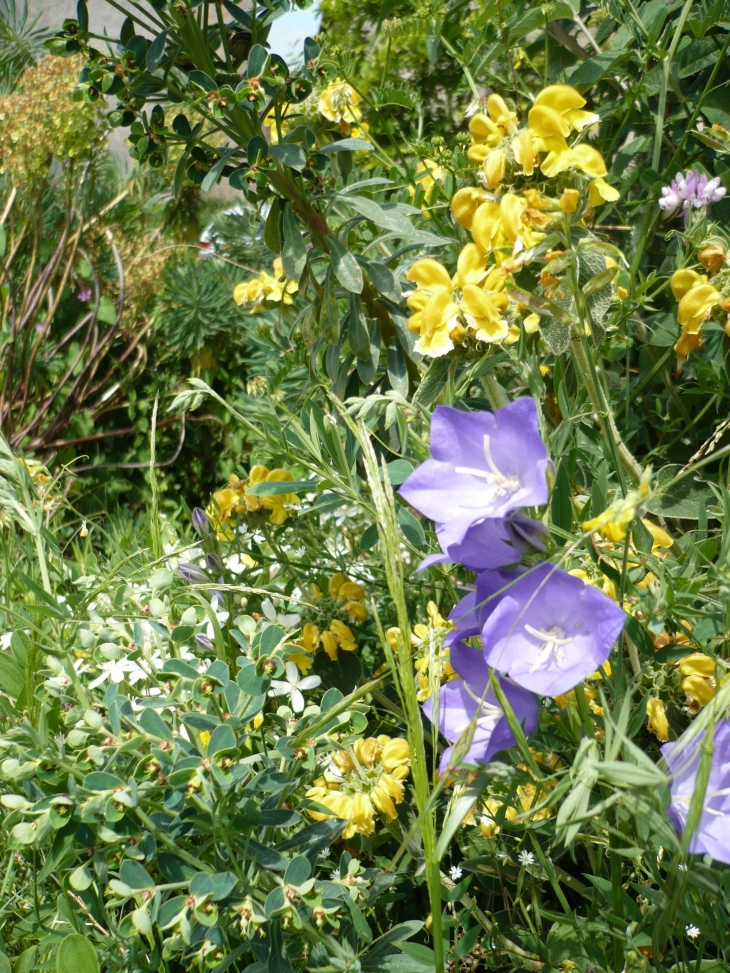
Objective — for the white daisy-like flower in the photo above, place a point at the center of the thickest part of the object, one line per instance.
(293, 685)
(324, 853)
(335, 876)
(455, 873)
(692, 932)
(526, 858)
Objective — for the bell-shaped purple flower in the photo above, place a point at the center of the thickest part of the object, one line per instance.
(492, 543)
(483, 465)
(471, 698)
(712, 836)
(549, 631)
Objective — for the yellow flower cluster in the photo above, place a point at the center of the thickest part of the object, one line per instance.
(235, 500)
(696, 299)
(529, 796)
(432, 663)
(474, 304)
(363, 782)
(266, 287)
(698, 680)
(555, 114)
(344, 596)
(40, 121)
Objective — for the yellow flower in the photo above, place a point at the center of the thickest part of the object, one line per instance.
(356, 610)
(343, 634)
(526, 150)
(504, 225)
(615, 519)
(301, 660)
(493, 168)
(351, 591)
(362, 783)
(277, 504)
(336, 582)
(338, 103)
(556, 112)
(310, 637)
(329, 644)
(235, 499)
(699, 682)
(657, 719)
(280, 289)
(660, 538)
(444, 307)
(204, 737)
(487, 131)
(249, 292)
(695, 307)
(465, 203)
(428, 173)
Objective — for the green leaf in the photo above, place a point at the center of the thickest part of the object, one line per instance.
(215, 173)
(156, 51)
(560, 506)
(177, 667)
(250, 682)
(180, 170)
(597, 67)
(398, 471)
(389, 219)
(222, 739)
(99, 780)
(181, 633)
(397, 369)
(329, 314)
(383, 279)
(410, 527)
(82, 15)
(432, 383)
(107, 310)
(76, 954)
(135, 875)
(290, 155)
(272, 228)
(345, 266)
(681, 499)
(347, 145)
(258, 59)
(201, 80)
(12, 677)
(294, 254)
(152, 723)
(3, 241)
(369, 538)
(639, 636)
(277, 488)
(298, 870)
(358, 333)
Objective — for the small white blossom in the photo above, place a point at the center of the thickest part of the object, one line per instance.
(293, 685)
(278, 618)
(324, 853)
(692, 931)
(335, 876)
(526, 858)
(455, 873)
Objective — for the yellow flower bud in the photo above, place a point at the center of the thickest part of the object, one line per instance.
(712, 257)
(657, 719)
(569, 200)
(465, 203)
(336, 582)
(351, 591)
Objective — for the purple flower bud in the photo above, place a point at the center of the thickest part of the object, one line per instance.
(191, 572)
(214, 562)
(205, 643)
(201, 522)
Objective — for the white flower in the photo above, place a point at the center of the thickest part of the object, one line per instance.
(293, 686)
(325, 853)
(274, 618)
(692, 932)
(526, 858)
(455, 873)
(118, 670)
(335, 876)
(238, 563)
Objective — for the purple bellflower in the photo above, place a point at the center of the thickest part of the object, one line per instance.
(191, 572)
(712, 836)
(549, 631)
(471, 698)
(483, 465)
(491, 543)
(691, 191)
(201, 522)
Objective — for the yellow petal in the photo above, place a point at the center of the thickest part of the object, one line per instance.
(524, 151)
(697, 664)
(329, 644)
(395, 753)
(511, 209)
(659, 536)
(362, 814)
(383, 803)
(494, 167)
(589, 160)
(465, 203)
(578, 120)
(546, 122)
(599, 191)
(486, 224)
(684, 280)
(569, 200)
(483, 129)
(430, 275)
(699, 689)
(501, 115)
(695, 306)
(356, 610)
(471, 265)
(336, 582)
(560, 97)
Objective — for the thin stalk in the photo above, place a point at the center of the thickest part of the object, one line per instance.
(154, 486)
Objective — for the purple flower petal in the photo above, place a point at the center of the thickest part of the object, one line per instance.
(483, 465)
(712, 836)
(550, 631)
(485, 546)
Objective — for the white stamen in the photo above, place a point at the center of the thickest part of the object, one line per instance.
(491, 713)
(503, 485)
(553, 642)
